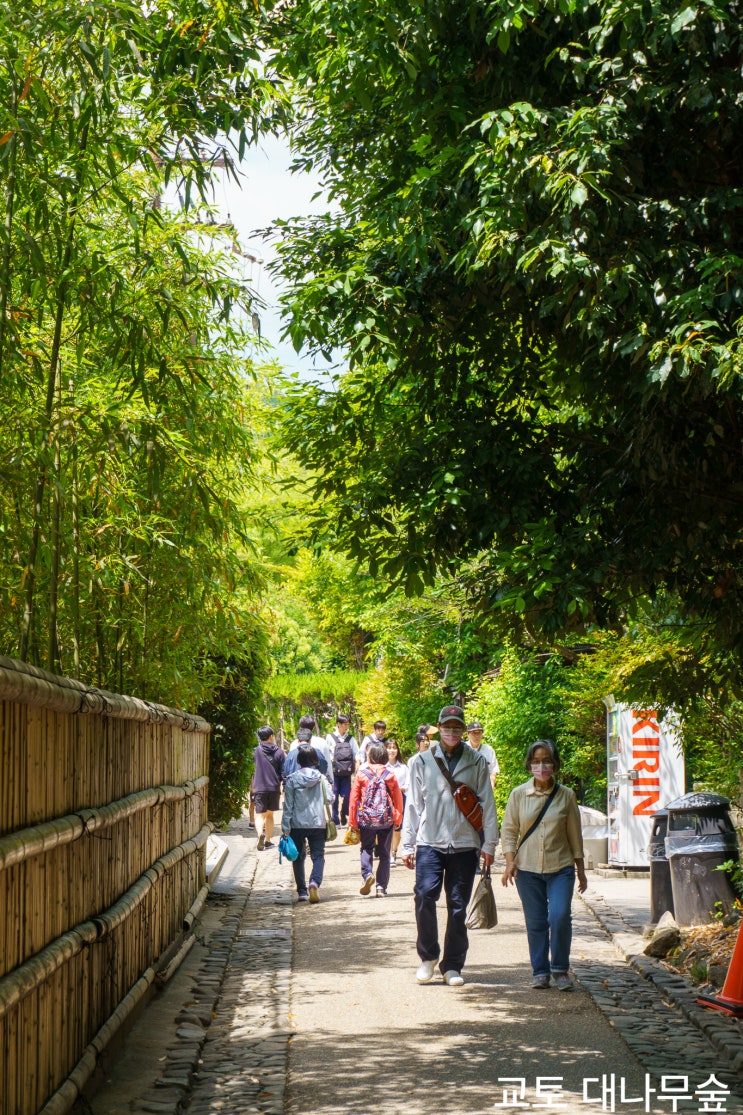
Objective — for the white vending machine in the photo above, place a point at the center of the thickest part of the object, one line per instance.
(645, 770)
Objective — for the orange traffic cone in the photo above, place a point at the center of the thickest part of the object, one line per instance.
(730, 999)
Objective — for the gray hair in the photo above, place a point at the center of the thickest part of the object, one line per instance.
(548, 745)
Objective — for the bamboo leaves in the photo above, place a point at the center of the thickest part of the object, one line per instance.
(123, 385)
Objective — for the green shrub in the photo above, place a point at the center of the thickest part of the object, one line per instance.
(286, 697)
(553, 696)
(234, 712)
(403, 692)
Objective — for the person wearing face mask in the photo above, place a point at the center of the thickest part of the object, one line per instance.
(446, 831)
(542, 842)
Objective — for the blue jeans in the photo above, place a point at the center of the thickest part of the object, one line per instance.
(341, 795)
(546, 901)
(455, 871)
(316, 840)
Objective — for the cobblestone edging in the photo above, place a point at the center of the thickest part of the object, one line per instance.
(654, 1009)
(243, 1062)
(233, 1031)
(168, 1093)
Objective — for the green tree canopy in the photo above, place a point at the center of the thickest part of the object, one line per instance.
(535, 269)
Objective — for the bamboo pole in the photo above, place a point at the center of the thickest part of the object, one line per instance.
(65, 1096)
(38, 839)
(10, 188)
(28, 684)
(23, 980)
(194, 911)
(98, 866)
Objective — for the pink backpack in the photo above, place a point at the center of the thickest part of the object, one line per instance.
(375, 808)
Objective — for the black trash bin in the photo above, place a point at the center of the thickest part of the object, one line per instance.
(661, 891)
(701, 837)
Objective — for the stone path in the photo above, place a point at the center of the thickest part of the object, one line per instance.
(243, 1063)
(654, 1009)
(313, 1010)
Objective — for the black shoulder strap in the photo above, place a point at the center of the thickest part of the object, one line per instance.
(542, 812)
(335, 737)
(445, 771)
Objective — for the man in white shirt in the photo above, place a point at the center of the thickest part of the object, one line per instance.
(343, 750)
(376, 736)
(443, 845)
(474, 739)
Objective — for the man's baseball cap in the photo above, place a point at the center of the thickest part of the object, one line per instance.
(452, 712)
(475, 726)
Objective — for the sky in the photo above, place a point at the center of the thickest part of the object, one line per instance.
(269, 191)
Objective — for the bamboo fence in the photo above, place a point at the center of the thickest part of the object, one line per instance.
(103, 828)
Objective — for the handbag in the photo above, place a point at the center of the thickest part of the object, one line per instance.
(483, 912)
(352, 836)
(464, 796)
(287, 848)
(331, 831)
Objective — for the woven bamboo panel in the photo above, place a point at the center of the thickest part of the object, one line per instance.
(103, 823)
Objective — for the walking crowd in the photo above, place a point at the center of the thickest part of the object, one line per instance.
(437, 811)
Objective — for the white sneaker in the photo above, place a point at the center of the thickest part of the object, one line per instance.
(453, 979)
(381, 892)
(314, 892)
(425, 972)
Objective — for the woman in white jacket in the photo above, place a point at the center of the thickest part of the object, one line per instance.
(305, 794)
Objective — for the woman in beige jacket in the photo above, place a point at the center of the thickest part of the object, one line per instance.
(543, 845)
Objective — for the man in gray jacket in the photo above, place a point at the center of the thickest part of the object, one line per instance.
(443, 845)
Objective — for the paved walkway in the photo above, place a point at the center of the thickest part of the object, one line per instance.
(299, 1009)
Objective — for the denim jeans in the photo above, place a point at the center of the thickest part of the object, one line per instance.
(455, 871)
(341, 796)
(382, 838)
(316, 840)
(546, 901)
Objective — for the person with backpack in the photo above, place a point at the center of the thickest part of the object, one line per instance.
(450, 824)
(375, 810)
(305, 794)
(343, 750)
